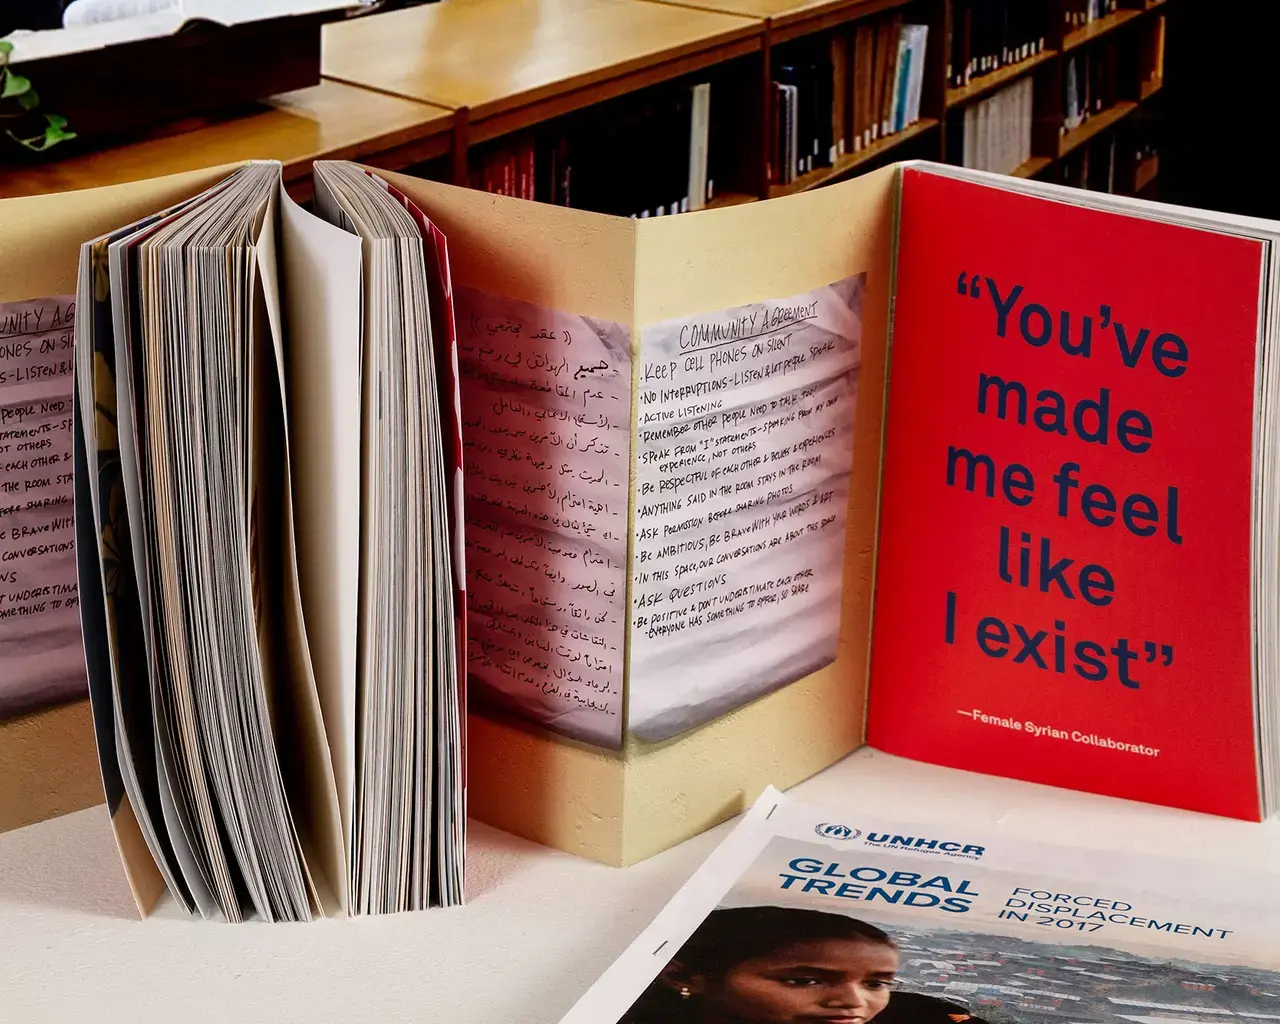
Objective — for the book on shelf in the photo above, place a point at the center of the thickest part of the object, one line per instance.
(1092, 166)
(682, 497)
(987, 35)
(840, 54)
(1089, 84)
(1152, 55)
(649, 155)
(1079, 13)
(993, 133)
(870, 80)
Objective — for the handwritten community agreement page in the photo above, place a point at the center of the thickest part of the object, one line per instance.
(745, 450)
(546, 441)
(40, 655)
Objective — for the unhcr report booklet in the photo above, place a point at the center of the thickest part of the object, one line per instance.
(799, 916)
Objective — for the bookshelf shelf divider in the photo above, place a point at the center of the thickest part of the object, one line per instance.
(1099, 28)
(989, 83)
(730, 199)
(1096, 124)
(850, 161)
(1030, 168)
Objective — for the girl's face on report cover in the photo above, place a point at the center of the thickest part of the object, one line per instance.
(827, 981)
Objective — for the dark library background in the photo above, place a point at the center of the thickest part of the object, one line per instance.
(1216, 148)
(1210, 122)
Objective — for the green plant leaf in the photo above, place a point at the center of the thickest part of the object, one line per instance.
(56, 121)
(39, 143)
(29, 100)
(6, 48)
(36, 143)
(14, 85)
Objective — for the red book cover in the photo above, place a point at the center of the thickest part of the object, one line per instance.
(1063, 581)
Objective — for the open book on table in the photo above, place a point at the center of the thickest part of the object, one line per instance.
(807, 914)
(992, 459)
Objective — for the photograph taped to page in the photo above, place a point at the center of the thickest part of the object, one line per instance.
(41, 656)
(546, 432)
(745, 452)
(797, 964)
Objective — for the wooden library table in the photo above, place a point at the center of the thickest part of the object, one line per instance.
(540, 925)
(789, 19)
(514, 63)
(327, 121)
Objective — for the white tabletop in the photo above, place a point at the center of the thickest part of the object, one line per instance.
(539, 927)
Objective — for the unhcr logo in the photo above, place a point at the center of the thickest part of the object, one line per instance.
(922, 844)
(832, 831)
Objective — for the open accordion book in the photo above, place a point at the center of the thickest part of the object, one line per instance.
(983, 468)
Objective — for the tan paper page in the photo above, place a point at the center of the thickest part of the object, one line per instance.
(522, 271)
(715, 261)
(684, 266)
(312, 791)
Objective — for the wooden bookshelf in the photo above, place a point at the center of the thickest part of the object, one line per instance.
(1097, 29)
(851, 161)
(443, 82)
(330, 121)
(515, 63)
(991, 82)
(1094, 126)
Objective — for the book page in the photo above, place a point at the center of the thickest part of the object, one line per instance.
(546, 399)
(322, 295)
(744, 456)
(41, 656)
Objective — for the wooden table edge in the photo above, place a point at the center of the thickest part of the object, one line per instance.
(540, 103)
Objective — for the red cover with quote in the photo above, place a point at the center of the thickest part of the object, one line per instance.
(1063, 577)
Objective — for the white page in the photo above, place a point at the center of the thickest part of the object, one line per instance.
(41, 658)
(546, 399)
(742, 486)
(83, 32)
(322, 302)
(316, 806)
(238, 12)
